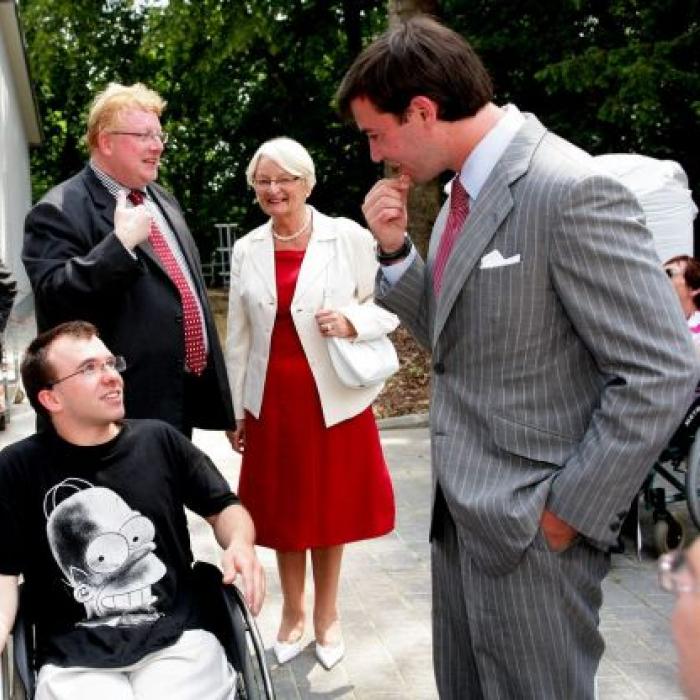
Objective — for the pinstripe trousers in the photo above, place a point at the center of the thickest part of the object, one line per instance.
(529, 634)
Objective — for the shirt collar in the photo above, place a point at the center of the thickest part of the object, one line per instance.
(488, 151)
(112, 186)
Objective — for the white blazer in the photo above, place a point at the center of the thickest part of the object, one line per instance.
(338, 272)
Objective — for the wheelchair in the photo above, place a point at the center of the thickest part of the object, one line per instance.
(230, 620)
(674, 478)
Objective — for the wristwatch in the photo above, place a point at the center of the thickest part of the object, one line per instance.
(384, 258)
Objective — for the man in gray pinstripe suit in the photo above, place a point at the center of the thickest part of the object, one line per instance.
(561, 362)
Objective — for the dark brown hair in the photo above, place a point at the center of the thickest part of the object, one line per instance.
(418, 56)
(37, 372)
(691, 274)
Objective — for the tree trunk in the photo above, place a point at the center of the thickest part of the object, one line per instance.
(403, 9)
(424, 200)
(353, 27)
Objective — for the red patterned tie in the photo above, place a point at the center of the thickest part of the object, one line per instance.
(459, 209)
(195, 352)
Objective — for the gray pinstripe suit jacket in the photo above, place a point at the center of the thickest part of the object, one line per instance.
(557, 380)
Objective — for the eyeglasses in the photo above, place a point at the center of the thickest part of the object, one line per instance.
(94, 367)
(265, 183)
(144, 136)
(676, 574)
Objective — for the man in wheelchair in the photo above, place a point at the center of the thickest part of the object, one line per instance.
(91, 515)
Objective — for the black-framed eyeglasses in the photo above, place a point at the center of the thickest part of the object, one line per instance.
(93, 367)
(145, 136)
(266, 182)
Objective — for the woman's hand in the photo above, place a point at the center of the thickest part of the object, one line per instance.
(333, 323)
(237, 437)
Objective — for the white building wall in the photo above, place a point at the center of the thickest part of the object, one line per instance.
(15, 201)
(15, 188)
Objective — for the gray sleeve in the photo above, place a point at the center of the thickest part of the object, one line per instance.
(612, 286)
(407, 299)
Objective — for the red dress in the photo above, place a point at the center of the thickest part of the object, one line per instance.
(306, 485)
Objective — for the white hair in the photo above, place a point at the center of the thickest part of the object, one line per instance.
(289, 155)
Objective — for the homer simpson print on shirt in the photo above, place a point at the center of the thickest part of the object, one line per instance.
(106, 552)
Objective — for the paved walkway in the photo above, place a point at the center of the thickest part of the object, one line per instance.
(385, 599)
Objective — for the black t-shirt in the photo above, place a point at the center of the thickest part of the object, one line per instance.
(101, 537)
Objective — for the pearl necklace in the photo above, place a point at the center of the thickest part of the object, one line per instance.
(294, 235)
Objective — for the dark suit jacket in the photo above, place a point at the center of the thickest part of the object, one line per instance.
(79, 269)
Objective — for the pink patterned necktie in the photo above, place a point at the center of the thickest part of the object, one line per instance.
(459, 209)
(195, 351)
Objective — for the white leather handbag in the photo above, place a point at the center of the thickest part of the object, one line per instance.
(363, 363)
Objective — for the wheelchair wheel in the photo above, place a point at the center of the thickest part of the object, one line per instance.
(11, 687)
(669, 534)
(692, 481)
(255, 681)
(232, 622)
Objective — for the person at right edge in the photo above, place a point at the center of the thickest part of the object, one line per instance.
(684, 274)
(561, 361)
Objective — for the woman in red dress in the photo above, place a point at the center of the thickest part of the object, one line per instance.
(313, 474)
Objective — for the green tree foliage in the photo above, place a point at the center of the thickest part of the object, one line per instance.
(74, 51)
(612, 76)
(234, 74)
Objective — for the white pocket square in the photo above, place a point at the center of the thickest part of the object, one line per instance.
(495, 259)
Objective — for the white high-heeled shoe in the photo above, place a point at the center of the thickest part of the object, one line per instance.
(330, 654)
(286, 651)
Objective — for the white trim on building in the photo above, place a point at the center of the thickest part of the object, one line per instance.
(20, 128)
(13, 42)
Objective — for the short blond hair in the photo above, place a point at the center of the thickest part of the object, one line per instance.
(289, 155)
(113, 100)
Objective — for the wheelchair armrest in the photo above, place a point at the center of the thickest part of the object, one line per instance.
(222, 617)
(233, 624)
